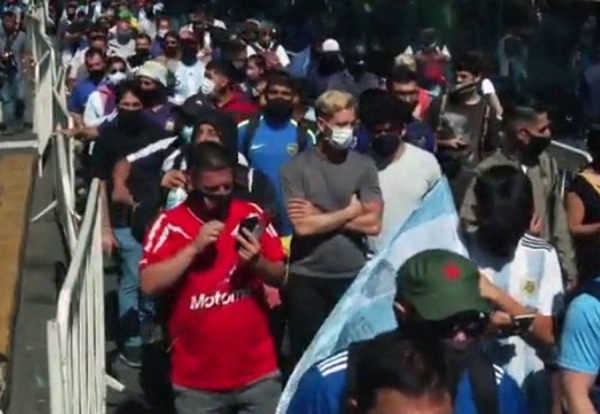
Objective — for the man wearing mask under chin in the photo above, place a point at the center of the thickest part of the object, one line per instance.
(189, 71)
(123, 45)
(527, 135)
(356, 78)
(333, 201)
(396, 160)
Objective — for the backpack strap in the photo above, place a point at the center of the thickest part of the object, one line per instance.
(301, 137)
(482, 378)
(249, 133)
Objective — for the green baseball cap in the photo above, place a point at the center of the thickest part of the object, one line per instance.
(439, 284)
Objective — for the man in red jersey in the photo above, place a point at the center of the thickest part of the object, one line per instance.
(212, 270)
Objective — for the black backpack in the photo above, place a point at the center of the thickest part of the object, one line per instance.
(252, 127)
(482, 378)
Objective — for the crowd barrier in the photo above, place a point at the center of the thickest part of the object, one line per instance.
(75, 337)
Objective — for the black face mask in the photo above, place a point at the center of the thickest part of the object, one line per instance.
(189, 55)
(537, 145)
(143, 54)
(151, 97)
(386, 145)
(130, 120)
(460, 93)
(278, 110)
(357, 69)
(215, 206)
(96, 75)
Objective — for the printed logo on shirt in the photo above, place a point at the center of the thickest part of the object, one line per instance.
(292, 149)
(218, 299)
(529, 287)
(255, 147)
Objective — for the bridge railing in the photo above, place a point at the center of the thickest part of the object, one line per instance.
(75, 337)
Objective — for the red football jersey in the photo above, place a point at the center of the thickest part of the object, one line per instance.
(217, 322)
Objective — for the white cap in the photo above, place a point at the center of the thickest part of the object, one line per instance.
(153, 70)
(330, 45)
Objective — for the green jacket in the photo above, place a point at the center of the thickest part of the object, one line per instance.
(549, 205)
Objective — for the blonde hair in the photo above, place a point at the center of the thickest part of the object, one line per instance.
(332, 102)
(407, 61)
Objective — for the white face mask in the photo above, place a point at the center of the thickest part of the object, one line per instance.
(341, 137)
(162, 32)
(116, 78)
(208, 86)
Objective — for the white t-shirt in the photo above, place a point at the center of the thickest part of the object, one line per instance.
(403, 184)
(533, 278)
(487, 87)
(280, 52)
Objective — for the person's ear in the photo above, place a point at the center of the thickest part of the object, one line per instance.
(321, 124)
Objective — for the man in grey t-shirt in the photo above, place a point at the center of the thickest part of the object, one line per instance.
(334, 201)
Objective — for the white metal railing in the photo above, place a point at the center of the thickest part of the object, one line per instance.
(75, 337)
(76, 342)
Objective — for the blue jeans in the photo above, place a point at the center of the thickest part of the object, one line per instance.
(134, 308)
(12, 94)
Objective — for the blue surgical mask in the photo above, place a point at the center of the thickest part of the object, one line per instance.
(186, 133)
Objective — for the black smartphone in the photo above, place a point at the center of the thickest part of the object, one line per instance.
(251, 224)
(523, 322)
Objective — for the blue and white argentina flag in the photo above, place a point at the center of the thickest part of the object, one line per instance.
(366, 308)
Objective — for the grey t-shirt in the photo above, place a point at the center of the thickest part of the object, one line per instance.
(339, 254)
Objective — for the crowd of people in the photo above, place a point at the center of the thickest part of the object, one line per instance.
(244, 188)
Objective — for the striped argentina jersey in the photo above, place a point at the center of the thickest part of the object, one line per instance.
(533, 278)
(322, 390)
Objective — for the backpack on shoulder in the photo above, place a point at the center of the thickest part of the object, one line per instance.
(252, 127)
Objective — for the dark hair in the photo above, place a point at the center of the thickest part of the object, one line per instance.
(93, 52)
(223, 68)
(231, 48)
(115, 59)
(413, 369)
(592, 140)
(377, 107)
(174, 35)
(162, 18)
(259, 60)
(9, 14)
(144, 36)
(225, 126)
(470, 62)
(98, 28)
(400, 74)
(515, 116)
(129, 86)
(504, 208)
(281, 78)
(207, 156)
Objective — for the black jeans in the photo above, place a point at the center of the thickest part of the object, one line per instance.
(309, 301)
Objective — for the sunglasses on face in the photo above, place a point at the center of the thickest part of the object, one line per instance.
(472, 324)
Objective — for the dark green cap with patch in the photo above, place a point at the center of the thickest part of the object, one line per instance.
(439, 284)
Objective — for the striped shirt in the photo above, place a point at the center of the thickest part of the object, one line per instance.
(533, 278)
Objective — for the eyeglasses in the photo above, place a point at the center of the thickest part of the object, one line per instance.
(472, 324)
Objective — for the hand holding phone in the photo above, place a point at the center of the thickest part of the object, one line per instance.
(523, 323)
